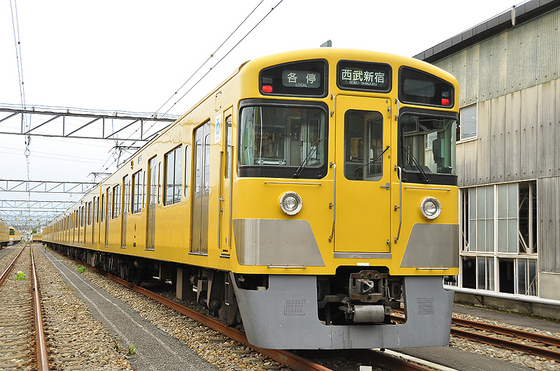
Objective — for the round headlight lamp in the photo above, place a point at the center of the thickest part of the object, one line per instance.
(430, 207)
(290, 203)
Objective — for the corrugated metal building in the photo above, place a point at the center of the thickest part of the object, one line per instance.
(508, 149)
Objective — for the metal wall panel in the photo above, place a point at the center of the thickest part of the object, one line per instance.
(471, 74)
(512, 162)
(549, 224)
(484, 153)
(529, 117)
(547, 128)
(497, 139)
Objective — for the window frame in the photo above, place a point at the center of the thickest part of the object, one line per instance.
(176, 179)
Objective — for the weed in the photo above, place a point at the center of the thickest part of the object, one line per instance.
(81, 268)
(20, 276)
(131, 349)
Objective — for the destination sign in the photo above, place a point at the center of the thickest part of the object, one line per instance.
(364, 76)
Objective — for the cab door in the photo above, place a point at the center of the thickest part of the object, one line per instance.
(363, 202)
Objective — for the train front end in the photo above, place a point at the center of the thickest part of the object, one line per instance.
(345, 203)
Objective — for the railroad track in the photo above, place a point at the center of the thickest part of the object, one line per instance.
(516, 340)
(20, 316)
(520, 341)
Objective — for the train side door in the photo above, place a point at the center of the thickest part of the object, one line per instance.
(225, 185)
(126, 200)
(108, 214)
(362, 176)
(201, 190)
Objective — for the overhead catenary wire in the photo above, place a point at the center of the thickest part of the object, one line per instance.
(207, 60)
(207, 73)
(26, 123)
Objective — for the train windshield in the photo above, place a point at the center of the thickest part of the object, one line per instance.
(282, 141)
(427, 148)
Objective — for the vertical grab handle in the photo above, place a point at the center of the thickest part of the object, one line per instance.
(221, 199)
(399, 171)
(333, 205)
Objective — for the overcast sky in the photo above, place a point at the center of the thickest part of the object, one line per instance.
(133, 55)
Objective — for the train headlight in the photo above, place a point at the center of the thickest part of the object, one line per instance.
(430, 207)
(290, 203)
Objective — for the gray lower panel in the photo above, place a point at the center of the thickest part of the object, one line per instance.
(285, 317)
(432, 245)
(276, 242)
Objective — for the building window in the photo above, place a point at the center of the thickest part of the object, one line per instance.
(173, 177)
(499, 238)
(467, 123)
(137, 188)
(485, 268)
(527, 284)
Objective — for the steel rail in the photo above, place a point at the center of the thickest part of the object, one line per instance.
(506, 344)
(546, 340)
(40, 339)
(9, 268)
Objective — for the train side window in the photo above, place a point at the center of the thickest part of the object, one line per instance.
(126, 202)
(116, 201)
(109, 205)
(102, 207)
(159, 184)
(144, 186)
(88, 213)
(173, 179)
(363, 145)
(187, 170)
(136, 192)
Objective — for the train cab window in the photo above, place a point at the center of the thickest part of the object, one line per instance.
(283, 141)
(173, 179)
(427, 147)
(137, 188)
(363, 145)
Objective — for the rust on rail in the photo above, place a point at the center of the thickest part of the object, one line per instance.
(41, 343)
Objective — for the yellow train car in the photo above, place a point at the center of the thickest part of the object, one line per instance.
(306, 196)
(37, 237)
(4, 234)
(14, 235)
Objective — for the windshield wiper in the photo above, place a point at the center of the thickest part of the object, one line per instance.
(372, 161)
(307, 157)
(417, 164)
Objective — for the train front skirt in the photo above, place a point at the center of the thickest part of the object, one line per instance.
(285, 317)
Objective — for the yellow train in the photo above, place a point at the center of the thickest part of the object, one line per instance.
(4, 234)
(37, 237)
(305, 196)
(14, 235)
